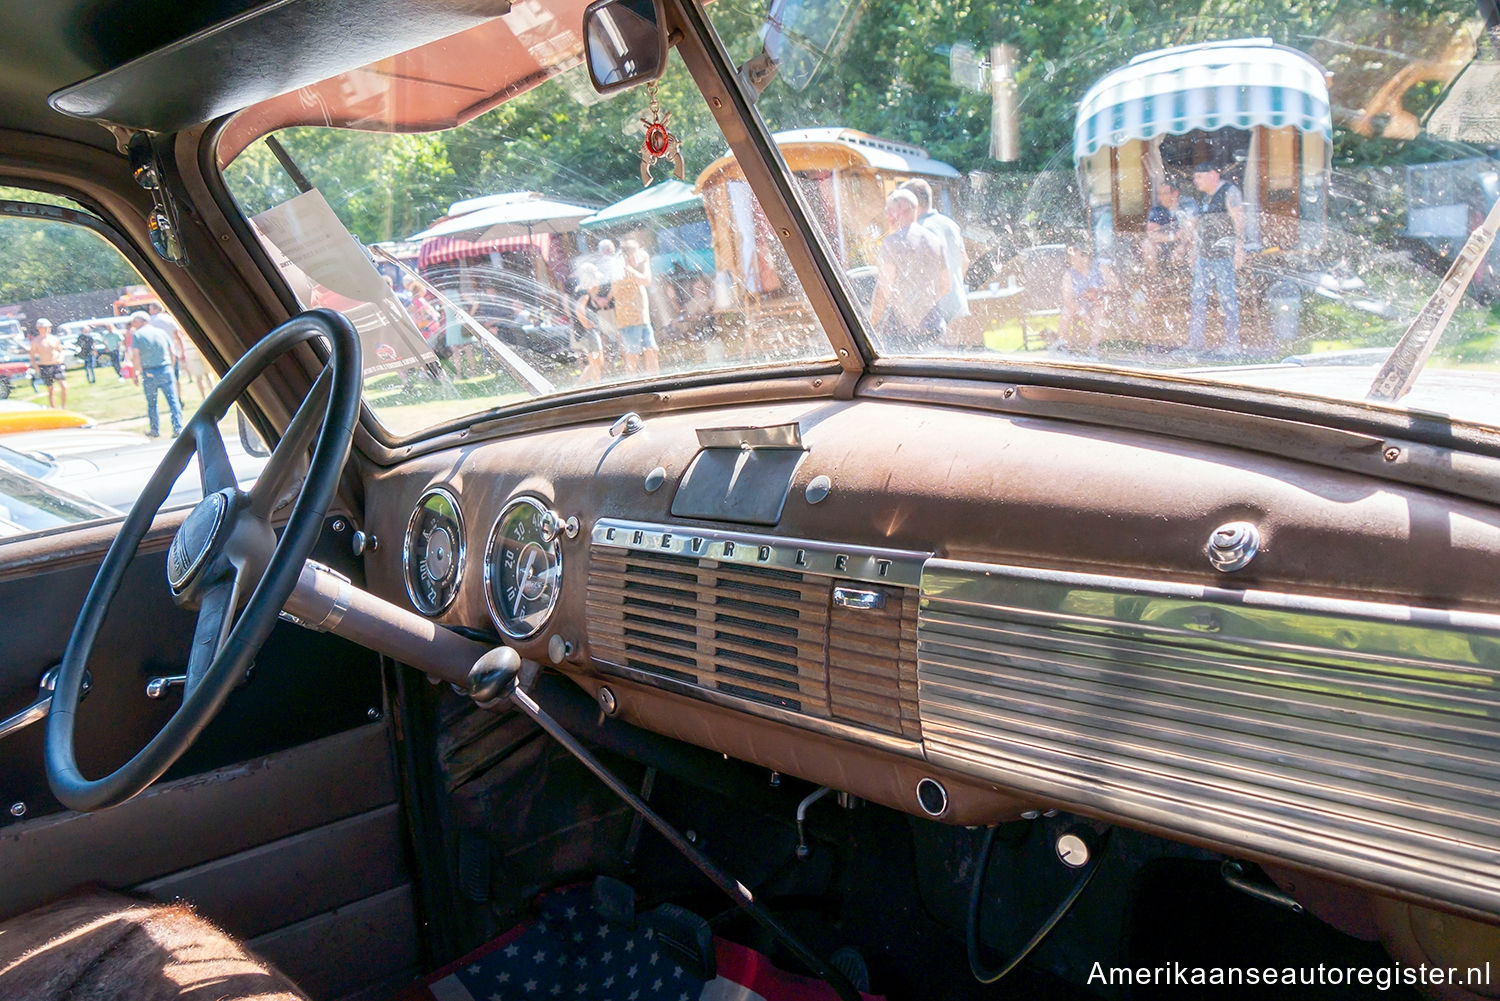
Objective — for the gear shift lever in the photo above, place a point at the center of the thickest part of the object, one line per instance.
(494, 677)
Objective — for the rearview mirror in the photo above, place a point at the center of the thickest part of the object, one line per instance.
(626, 42)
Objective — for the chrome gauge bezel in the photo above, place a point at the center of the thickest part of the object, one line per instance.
(541, 616)
(460, 550)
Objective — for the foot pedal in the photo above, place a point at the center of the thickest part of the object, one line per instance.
(474, 867)
(685, 938)
(614, 901)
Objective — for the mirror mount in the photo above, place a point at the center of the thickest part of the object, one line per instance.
(625, 43)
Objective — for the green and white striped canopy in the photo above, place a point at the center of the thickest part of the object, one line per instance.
(1241, 83)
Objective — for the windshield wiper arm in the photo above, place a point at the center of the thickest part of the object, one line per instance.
(1404, 363)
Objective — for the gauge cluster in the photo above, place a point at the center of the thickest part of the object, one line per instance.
(432, 554)
(523, 568)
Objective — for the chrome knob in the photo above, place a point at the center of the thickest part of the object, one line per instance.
(1233, 545)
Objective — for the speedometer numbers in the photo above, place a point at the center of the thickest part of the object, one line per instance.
(433, 552)
(523, 568)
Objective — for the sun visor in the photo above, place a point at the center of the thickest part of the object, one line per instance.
(274, 49)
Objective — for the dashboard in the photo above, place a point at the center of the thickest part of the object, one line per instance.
(969, 615)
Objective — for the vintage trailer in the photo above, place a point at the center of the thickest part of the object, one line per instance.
(845, 176)
(1259, 109)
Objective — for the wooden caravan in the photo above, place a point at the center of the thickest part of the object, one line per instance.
(845, 176)
(1258, 109)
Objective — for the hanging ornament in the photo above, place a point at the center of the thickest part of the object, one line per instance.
(659, 143)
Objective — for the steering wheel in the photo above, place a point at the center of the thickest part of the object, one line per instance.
(224, 549)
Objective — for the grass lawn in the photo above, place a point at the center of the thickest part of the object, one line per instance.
(111, 401)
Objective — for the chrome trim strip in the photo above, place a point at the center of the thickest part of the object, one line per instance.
(1361, 738)
(814, 724)
(896, 567)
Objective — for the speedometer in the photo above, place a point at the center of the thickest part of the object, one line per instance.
(433, 552)
(523, 568)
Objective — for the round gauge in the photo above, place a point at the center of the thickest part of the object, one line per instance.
(433, 553)
(523, 568)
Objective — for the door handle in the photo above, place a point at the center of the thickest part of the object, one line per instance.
(38, 710)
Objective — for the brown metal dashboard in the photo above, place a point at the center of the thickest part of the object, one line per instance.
(978, 614)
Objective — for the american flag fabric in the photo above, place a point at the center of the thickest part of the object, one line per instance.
(570, 953)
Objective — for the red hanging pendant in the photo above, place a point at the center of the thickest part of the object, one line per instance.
(659, 143)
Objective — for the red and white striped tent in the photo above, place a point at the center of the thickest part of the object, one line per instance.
(478, 227)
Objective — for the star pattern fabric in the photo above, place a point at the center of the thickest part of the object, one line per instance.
(570, 953)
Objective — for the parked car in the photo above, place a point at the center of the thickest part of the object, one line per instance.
(110, 466)
(851, 639)
(28, 504)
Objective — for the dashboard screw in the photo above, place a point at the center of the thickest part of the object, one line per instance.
(718, 103)
(372, 713)
(607, 702)
(1392, 454)
(338, 525)
(1008, 393)
(18, 809)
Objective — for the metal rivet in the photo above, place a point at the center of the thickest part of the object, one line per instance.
(338, 525)
(1392, 454)
(786, 232)
(372, 713)
(717, 103)
(843, 352)
(607, 701)
(571, 527)
(1008, 393)
(18, 809)
(817, 383)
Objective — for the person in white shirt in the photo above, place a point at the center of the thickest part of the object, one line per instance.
(955, 304)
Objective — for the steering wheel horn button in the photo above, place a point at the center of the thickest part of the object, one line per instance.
(195, 539)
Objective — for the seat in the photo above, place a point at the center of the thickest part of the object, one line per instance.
(97, 945)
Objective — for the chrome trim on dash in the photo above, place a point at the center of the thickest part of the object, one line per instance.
(812, 724)
(1354, 737)
(897, 567)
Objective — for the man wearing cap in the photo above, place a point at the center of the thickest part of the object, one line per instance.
(1218, 250)
(151, 353)
(47, 359)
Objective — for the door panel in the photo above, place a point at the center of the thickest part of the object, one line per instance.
(282, 818)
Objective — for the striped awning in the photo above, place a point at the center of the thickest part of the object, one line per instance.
(445, 249)
(1240, 84)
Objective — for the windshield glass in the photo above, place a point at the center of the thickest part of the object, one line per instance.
(520, 255)
(1263, 193)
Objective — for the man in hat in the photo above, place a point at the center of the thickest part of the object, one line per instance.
(151, 352)
(1218, 251)
(47, 360)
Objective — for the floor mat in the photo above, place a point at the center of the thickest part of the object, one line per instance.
(569, 952)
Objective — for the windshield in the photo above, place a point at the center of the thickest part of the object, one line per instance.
(520, 255)
(1266, 194)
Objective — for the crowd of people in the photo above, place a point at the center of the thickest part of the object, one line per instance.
(154, 353)
(1198, 235)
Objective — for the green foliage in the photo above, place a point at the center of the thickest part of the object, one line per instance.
(46, 258)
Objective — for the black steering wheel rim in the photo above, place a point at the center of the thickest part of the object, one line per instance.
(202, 700)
